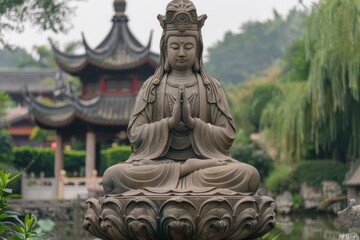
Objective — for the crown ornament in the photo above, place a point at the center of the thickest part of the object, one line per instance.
(181, 16)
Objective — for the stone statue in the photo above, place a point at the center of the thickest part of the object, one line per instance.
(180, 183)
(181, 127)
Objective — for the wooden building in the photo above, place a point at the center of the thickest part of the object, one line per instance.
(40, 84)
(111, 75)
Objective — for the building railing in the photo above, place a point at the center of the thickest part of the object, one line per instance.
(65, 187)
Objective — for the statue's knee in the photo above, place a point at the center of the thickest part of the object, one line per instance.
(254, 179)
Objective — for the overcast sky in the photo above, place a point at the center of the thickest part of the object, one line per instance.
(93, 18)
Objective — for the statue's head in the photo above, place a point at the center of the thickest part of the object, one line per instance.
(181, 23)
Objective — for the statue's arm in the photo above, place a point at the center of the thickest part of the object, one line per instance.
(213, 139)
(148, 139)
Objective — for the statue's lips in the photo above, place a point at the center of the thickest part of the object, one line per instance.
(181, 60)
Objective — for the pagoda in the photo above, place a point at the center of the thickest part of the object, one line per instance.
(111, 76)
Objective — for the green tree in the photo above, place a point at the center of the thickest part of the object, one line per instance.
(45, 14)
(43, 58)
(5, 102)
(255, 48)
(324, 112)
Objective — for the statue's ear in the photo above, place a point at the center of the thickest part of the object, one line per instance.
(161, 19)
(201, 20)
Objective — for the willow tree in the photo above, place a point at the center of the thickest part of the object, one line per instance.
(325, 111)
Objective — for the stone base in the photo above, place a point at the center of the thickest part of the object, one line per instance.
(180, 217)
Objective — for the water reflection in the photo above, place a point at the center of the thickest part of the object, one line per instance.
(310, 226)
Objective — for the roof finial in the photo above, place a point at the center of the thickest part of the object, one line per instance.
(119, 6)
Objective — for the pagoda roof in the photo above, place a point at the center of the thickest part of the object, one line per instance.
(37, 81)
(120, 50)
(101, 110)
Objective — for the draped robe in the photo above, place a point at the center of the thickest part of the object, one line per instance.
(151, 169)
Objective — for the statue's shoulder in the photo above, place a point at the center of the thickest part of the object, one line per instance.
(216, 92)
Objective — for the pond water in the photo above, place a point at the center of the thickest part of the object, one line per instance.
(309, 226)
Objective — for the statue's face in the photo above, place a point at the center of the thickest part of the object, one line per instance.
(181, 52)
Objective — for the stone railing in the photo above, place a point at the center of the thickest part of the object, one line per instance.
(41, 188)
(44, 188)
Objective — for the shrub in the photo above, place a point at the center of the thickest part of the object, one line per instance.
(114, 156)
(11, 224)
(6, 155)
(313, 172)
(254, 155)
(280, 179)
(36, 160)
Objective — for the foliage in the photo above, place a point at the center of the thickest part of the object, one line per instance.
(45, 14)
(42, 135)
(240, 96)
(313, 172)
(11, 226)
(36, 160)
(261, 96)
(10, 57)
(285, 117)
(112, 156)
(252, 154)
(274, 234)
(255, 48)
(296, 65)
(5, 103)
(280, 179)
(43, 58)
(6, 155)
(323, 112)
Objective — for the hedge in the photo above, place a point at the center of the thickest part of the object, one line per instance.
(311, 172)
(112, 156)
(36, 160)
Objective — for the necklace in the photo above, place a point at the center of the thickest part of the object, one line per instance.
(177, 85)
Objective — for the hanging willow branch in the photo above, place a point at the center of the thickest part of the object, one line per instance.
(327, 114)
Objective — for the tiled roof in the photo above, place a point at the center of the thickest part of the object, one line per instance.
(102, 110)
(37, 81)
(120, 50)
(13, 115)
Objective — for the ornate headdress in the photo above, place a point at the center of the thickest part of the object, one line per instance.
(181, 19)
(181, 16)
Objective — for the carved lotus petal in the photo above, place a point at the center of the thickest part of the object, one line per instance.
(91, 221)
(246, 217)
(267, 217)
(215, 219)
(141, 219)
(177, 219)
(111, 220)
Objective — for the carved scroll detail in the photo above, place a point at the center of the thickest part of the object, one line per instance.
(177, 219)
(180, 218)
(141, 214)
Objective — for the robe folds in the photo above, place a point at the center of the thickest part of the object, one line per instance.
(153, 168)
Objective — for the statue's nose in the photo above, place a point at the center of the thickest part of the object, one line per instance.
(181, 53)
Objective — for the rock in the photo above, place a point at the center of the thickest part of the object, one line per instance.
(312, 198)
(331, 189)
(284, 202)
